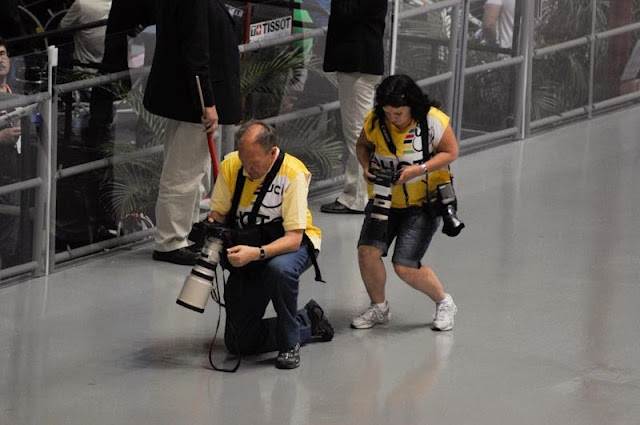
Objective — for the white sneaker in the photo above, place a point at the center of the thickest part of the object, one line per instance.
(373, 315)
(446, 311)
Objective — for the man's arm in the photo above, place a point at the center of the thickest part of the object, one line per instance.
(193, 23)
(241, 255)
(72, 16)
(490, 22)
(294, 214)
(220, 200)
(9, 136)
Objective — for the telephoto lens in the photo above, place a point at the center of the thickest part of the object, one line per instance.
(378, 220)
(382, 194)
(199, 283)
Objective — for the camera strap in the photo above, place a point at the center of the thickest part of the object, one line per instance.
(426, 155)
(392, 148)
(237, 193)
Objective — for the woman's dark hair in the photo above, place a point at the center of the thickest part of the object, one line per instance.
(401, 90)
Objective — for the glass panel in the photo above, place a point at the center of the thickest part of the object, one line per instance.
(438, 92)
(617, 66)
(27, 74)
(562, 20)
(287, 78)
(104, 121)
(560, 82)
(19, 142)
(488, 101)
(494, 27)
(494, 32)
(614, 14)
(423, 45)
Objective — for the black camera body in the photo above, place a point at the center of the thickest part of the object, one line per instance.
(204, 228)
(445, 205)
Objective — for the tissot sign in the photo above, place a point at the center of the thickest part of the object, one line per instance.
(270, 29)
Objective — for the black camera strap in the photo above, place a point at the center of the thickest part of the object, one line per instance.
(237, 193)
(392, 148)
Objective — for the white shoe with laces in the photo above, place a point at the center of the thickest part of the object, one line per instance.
(446, 311)
(373, 315)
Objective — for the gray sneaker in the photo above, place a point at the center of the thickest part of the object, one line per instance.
(443, 320)
(373, 315)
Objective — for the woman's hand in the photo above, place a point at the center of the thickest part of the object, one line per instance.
(369, 177)
(409, 172)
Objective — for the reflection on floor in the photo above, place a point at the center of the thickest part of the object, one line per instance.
(545, 277)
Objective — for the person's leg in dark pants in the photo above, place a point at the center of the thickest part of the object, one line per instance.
(282, 278)
(246, 300)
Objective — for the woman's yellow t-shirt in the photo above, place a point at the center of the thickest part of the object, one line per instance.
(409, 145)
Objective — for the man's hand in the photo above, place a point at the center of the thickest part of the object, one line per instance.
(210, 119)
(241, 255)
(135, 31)
(9, 136)
(216, 216)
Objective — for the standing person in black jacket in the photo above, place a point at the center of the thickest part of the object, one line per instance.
(355, 50)
(194, 38)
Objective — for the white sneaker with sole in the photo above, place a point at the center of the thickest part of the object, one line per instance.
(446, 311)
(373, 315)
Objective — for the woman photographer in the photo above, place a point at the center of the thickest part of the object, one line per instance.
(404, 121)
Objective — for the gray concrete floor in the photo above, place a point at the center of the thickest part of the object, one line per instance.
(545, 277)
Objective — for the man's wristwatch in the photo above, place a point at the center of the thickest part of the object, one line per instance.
(262, 254)
(424, 168)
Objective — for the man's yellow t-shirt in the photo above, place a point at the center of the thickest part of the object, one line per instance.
(286, 198)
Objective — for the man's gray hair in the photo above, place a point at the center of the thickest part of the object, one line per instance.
(265, 138)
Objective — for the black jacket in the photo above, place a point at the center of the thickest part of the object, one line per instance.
(194, 37)
(354, 36)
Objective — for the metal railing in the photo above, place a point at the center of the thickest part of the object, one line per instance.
(45, 258)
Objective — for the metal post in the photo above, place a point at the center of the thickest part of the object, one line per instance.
(42, 236)
(460, 68)
(523, 70)
(394, 36)
(527, 36)
(453, 58)
(592, 57)
(227, 144)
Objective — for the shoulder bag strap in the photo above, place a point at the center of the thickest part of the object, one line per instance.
(271, 175)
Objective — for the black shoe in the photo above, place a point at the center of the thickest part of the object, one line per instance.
(336, 207)
(320, 326)
(289, 358)
(196, 248)
(182, 256)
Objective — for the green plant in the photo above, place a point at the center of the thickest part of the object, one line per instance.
(319, 150)
(133, 185)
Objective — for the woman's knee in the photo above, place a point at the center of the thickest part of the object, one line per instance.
(368, 253)
(407, 273)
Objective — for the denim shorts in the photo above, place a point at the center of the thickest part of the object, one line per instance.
(410, 227)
